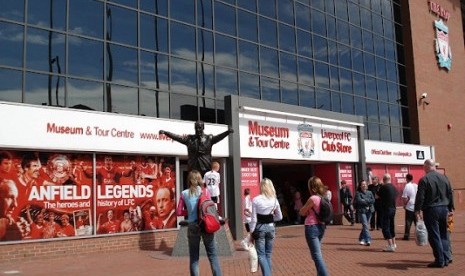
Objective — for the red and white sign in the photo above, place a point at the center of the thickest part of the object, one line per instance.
(395, 153)
(275, 138)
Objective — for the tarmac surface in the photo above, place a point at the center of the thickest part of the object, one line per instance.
(342, 253)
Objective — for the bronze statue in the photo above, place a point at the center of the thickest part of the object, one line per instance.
(199, 146)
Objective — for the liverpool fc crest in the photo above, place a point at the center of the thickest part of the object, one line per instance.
(443, 50)
(305, 143)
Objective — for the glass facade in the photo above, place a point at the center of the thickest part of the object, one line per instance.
(178, 59)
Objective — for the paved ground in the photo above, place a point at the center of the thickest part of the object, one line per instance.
(342, 253)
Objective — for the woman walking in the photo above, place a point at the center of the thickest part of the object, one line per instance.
(265, 211)
(189, 200)
(364, 200)
(315, 229)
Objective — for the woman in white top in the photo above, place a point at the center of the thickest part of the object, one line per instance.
(265, 211)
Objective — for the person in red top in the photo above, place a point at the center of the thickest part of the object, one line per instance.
(66, 230)
(167, 180)
(151, 219)
(147, 171)
(37, 225)
(109, 227)
(51, 227)
(6, 164)
(109, 174)
(164, 199)
(9, 230)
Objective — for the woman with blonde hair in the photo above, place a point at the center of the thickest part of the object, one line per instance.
(188, 203)
(265, 211)
(315, 229)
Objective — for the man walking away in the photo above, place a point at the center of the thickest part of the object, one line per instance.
(408, 197)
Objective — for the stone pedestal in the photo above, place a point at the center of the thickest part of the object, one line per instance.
(223, 240)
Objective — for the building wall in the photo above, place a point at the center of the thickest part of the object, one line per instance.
(444, 88)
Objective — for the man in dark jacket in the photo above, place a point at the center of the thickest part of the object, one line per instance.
(434, 198)
(387, 194)
(376, 216)
(346, 199)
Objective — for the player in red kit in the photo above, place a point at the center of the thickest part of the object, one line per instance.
(109, 174)
(66, 230)
(6, 164)
(110, 226)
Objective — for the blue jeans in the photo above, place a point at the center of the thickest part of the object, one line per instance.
(264, 235)
(364, 218)
(314, 234)
(436, 223)
(388, 223)
(193, 238)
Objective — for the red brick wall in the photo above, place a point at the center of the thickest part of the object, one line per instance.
(53, 249)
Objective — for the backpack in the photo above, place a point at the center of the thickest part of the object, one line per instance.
(208, 218)
(326, 211)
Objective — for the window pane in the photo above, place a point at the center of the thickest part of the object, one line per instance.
(371, 87)
(318, 22)
(286, 38)
(121, 25)
(334, 78)
(40, 91)
(249, 86)
(247, 25)
(13, 10)
(357, 60)
(372, 111)
(286, 11)
(153, 33)
(157, 7)
(248, 56)
(307, 96)
(302, 16)
(289, 93)
(153, 71)
(182, 40)
(205, 46)
(228, 83)
(379, 45)
(269, 62)
(182, 10)
(354, 13)
(359, 84)
(205, 14)
(320, 46)
(267, 8)
(306, 71)
(288, 67)
(347, 104)
(360, 107)
(184, 107)
(394, 115)
(129, 3)
(247, 4)
(344, 56)
(267, 32)
(382, 90)
(10, 85)
(343, 32)
(366, 18)
(89, 25)
(85, 58)
(122, 65)
(384, 113)
(123, 99)
(225, 51)
(38, 51)
(206, 81)
(11, 48)
(207, 110)
(346, 81)
(385, 133)
(304, 42)
(369, 64)
(373, 131)
(367, 41)
(270, 90)
(225, 19)
(154, 103)
(341, 10)
(336, 101)
(40, 14)
(321, 74)
(323, 99)
(183, 78)
(331, 27)
(85, 94)
(355, 37)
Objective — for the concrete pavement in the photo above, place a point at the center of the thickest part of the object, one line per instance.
(342, 253)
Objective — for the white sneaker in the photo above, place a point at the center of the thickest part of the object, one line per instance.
(362, 243)
(389, 249)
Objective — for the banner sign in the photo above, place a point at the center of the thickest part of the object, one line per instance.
(394, 153)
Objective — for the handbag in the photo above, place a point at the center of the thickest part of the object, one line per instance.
(421, 234)
(253, 258)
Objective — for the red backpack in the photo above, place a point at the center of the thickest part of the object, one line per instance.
(208, 217)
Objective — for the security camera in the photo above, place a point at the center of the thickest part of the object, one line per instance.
(424, 95)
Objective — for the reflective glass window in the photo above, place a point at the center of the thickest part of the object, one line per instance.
(182, 10)
(384, 113)
(376, 5)
(286, 38)
(396, 135)
(394, 115)
(13, 10)
(205, 14)
(205, 46)
(304, 44)
(286, 11)
(249, 86)
(158, 7)
(345, 59)
(382, 90)
(288, 67)
(347, 104)
(371, 87)
(220, 112)
(365, 15)
(320, 48)
(153, 71)
(346, 80)
(10, 85)
(207, 110)
(330, 7)
(321, 74)
(393, 93)
(307, 96)
(359, 84)
(355, 37)
(123, 99)
(91, 24)
(360, 107)
(267, 8)
(386, 7)
(269, 62)
(390, 48)
(343, 32)
(226, 83)
(367, 41)
(377, 24)
(11, 48)
(354, 13)
(270, 89)
(381, 67)
(267, 32)
(379, 45)
(122, 65)
(40, 13)
(85, 57)
(205, 79)
(323, 99)
(302, 16)
(336, 101)
(182, 40)
(331, 27)
(121, 25)
(306, 71)
(289, 93)
(341, 10)
(369, 63)
(334, 78)
(225, 51)
(183, 78)
(42, 89)
(225, 19)
(319, 4)
(44, 48)
(373, 131)
(248, 56)
(129, 3)
(385, 132)
(247, 4)
(247, 25)
(357, 60)
(153, 33)
(388, 29)
(318, 22)
(184, 107)
(85, 94)
(154, 103)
